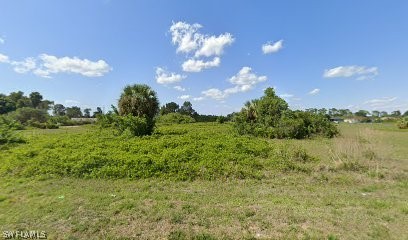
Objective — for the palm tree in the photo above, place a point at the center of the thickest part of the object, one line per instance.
(139, 100)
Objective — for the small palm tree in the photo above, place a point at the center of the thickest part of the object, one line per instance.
(139, 100)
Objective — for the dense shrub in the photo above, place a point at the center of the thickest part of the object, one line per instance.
(403, 123)
(270, 117)
(26, 114)
(129, 125)
(221, 119)
(177, 118)
(8, 129)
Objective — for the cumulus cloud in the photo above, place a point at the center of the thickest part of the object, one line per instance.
(45, 65)
(24, 66)
(286, 95)
(361, 72)
(198, 47)
(243, 81)
(214, 46)
(184, 97)
(4, 58)
(186, 36)
(314, 91)
(196, 99)
(193, 65)
(164, 77)
(179, 88)
(272, 47)
(52, 65)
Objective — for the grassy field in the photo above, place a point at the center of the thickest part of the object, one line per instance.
(200, 181)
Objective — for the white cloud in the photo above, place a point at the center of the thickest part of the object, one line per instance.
(314, 91)
(24, 66)
(193, 65)
(179, 88)
(214, 93)
(71, 102)
(286, 95)
(380, 102)
(196, 45)
(185, 36)
(244, 81)
(4, 58)
(272, 47)
(196, 99)
(214, 46)
(45, 65)
(51, 65)
(184, 97)
(164, 77)
(361, 72)
(2, 41)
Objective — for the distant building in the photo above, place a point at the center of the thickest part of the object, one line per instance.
(351, 120)
(336, 119)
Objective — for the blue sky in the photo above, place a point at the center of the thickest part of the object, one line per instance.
(216, 54)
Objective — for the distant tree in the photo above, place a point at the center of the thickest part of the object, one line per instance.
(187, 109)
(170, 107)
(87, 112)
(322, 111)
(23, 102)
(383, 114)
(98, 112)
(26, 114)
(58, 110)
(333, 112)
(6, 105)
(45, 105)
(375, 113)
(405, 114)
(396, 113)
(345, 112)
(15, 96)
(362, 113)
(73, 112)
(312, 110)
(35, 99)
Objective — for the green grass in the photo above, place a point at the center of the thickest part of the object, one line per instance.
(318, 198)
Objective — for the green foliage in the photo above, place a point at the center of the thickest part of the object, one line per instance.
(140, 101)
(177, 118)
(170, 107)
(73, 112)
(403, 123)
(181, 152)
(270, 117)
(26, 115)
(221, 119)
(128, 125)
(8, 129)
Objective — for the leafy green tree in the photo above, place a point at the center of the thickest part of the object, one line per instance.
(45, 105)
(87, 112)
(59, 110)
(187, 109)
(141, 101)
(396, 113)
(15, 96)
(98, 112)
(383, 114)
(170, 107)
(6, 105)
(375, 113)
(26, 114)
(362, 113)
(74, 112)
(35, 99)
(405, 114)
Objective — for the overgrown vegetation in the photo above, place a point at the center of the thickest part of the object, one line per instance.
(403, 123)
(177, 118)
(182, 152)
(8, 129)
(270, 117)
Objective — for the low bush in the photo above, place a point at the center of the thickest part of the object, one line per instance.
(8, 129)
(176, 118)
(129, 125)
(221, 119)
(26, 114)
(403, 123)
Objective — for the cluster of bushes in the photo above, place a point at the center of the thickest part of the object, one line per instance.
(8, 129)
(403, 123)
(175, 118)
(126, 125)
(270, 117)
